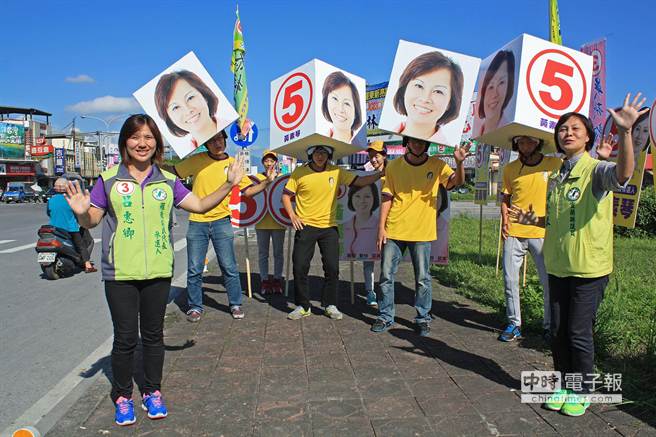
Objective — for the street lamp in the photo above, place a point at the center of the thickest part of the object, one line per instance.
(101, 147)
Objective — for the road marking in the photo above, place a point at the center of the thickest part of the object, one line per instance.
(41, 408)
(28, 246)
(6, 241)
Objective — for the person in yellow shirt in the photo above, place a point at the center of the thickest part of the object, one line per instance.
(269, 230)
(524, 185)
(315, 187)
(408, 218)
(578, 244)
(209, 170)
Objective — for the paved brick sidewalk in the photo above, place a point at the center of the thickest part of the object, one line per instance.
(268, 376)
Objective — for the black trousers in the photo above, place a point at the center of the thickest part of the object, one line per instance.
(304, 241)
(137, 306)
(80, 244)
(574, 303)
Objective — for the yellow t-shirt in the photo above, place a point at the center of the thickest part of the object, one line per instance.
(267, 221)
(527, 185)
(316, 193)
(413, 188)
(209, 174)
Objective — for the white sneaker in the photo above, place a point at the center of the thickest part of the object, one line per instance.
(299, 313)
(332, 312)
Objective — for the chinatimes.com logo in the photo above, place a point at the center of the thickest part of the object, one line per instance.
(539, 387)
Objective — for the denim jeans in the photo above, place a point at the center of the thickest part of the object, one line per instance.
(198, 238)
(391, 257)
(263, 238)
(368, 273)
(514, 250)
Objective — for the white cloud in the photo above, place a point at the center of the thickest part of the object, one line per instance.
(80, 78)
(107, 104)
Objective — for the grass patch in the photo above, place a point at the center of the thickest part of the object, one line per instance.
(625, 332)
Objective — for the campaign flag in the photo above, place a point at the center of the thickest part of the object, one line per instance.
(554, 23)
(597, 50)
(238, 68)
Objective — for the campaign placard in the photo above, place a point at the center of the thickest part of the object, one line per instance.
(317, 103)
(429, 93)
(526, 86)
(187, 105)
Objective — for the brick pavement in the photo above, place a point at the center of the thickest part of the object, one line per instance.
(268, 376)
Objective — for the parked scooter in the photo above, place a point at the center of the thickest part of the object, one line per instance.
(57, 254)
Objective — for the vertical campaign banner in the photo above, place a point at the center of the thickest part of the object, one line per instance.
(597, 116)
(652, 136)
(375, 99)
(626, 200)
(505, 157)
(429, 93)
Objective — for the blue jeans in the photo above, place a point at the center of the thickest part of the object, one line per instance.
(198, 238)
(391, 256)
(263, 238)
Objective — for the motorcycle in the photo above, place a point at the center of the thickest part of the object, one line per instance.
(56, 252)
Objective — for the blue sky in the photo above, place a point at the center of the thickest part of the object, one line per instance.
(60, 56)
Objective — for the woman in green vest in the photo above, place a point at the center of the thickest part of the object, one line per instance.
(578, 245)
(135, 200)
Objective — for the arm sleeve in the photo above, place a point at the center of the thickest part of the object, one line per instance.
(445, 173)
(387, 190)
(506, 186)
(186, 168)
(98, 195)
(346, 177)
(180, 192)
(292, 183)
(604, 179)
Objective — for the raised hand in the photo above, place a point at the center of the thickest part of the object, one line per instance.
(605, 146)
(271, 174)
(627, 115)
(461, 153)
(518, 215)
(78, 199)
(236, 170)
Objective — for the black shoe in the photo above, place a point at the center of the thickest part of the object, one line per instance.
(423, 329)
(546, 336)
(381, 326)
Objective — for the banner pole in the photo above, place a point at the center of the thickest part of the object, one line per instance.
(352, 284)
(248, 265)
(496, 272)
(288, 260)
(525, 262)
(480, 234)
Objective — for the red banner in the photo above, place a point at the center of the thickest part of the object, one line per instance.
(41, 150)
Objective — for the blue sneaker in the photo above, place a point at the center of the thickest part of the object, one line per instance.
(154, 404)
(371, 299)
(381, 325)
(124, 412)
(510, 333)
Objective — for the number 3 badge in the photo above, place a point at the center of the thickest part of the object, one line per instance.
(124, 188)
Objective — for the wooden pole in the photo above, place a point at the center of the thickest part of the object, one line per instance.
(352, 283)
(288, 261)
(525, 262)
(248, 265)
(480, 235)
(496, 272)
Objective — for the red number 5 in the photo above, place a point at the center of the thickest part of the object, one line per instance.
(549, 78)
(290, 99)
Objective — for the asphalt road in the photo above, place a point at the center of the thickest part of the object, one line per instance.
(47, 328)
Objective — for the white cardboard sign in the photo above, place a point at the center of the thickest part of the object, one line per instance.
(429, 93)
(317, 103)
(187, 105)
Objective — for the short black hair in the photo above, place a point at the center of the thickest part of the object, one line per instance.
(586, 122)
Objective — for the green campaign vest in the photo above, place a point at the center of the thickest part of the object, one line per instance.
(579, 228)
(140, 245)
